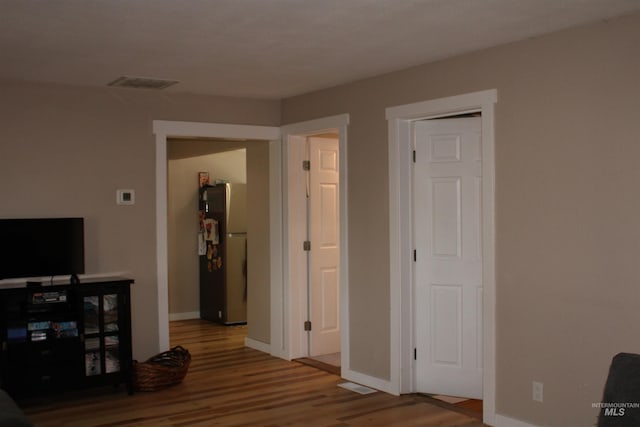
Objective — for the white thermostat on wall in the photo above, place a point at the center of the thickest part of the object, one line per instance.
(125, 197)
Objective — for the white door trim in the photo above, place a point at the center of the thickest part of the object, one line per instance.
(295, 347)
(168, 129)
(400, 234)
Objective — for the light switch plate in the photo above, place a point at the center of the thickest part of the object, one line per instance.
(125, 197)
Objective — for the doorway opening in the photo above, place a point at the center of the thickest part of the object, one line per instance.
(403, 342)
(223, 161)
(261, 317)
(297, 139)
(314, 241)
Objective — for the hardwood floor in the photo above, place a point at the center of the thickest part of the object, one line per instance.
(230, 385)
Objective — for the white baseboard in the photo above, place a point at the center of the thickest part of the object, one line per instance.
(257, 345)
(504, 421)
(184, 316)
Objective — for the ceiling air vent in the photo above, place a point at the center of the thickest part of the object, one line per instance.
(142, 82)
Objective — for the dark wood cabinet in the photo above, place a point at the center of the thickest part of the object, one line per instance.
(63, 337)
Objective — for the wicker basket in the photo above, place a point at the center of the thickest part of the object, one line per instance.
(162, 370)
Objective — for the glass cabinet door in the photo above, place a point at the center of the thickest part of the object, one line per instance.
(92, 357)
(92, 347)
(111, 337)
(101, 334)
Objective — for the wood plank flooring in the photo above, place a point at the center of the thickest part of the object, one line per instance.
(231, 385)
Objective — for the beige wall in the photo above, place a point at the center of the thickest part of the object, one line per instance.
(567, 129)
(258, 248)
(65, 151)
(185, 160)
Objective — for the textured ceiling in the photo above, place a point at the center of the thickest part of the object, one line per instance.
(264, 48)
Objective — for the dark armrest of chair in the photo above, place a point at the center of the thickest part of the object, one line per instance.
(10, 414)
(622, 393)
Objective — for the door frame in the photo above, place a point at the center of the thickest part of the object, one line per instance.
(293, 292)
(164, 130)
(400, 119)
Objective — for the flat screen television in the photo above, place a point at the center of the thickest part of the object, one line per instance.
(41, 247)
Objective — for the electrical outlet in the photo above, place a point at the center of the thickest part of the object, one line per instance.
(537, 391)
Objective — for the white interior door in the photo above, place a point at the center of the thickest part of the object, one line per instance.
(324, 259)
(448, 259)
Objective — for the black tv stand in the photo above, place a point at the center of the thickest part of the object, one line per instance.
(63, 337)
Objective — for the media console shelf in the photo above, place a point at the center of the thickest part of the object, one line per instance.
(65, 337)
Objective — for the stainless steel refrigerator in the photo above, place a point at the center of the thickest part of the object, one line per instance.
(223, 253)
